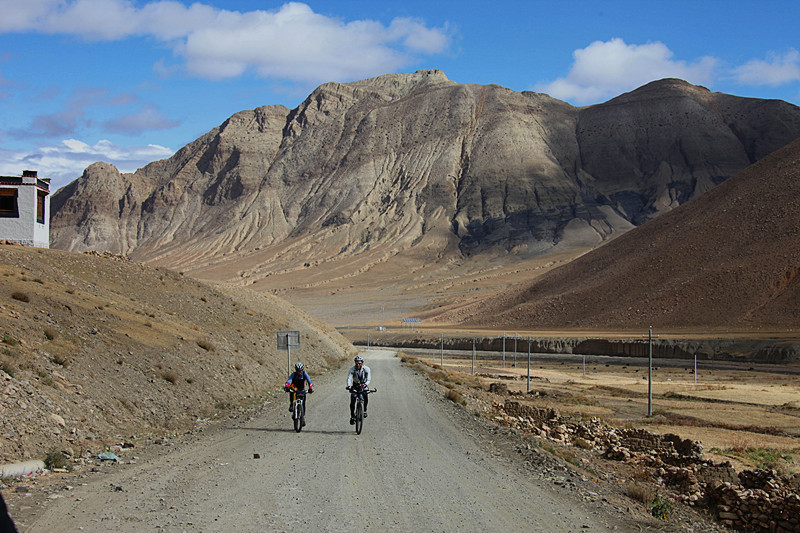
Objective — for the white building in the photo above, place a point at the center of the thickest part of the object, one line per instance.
(25, 209)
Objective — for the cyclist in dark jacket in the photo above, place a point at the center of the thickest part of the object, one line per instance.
(297, 382)
(358, 378)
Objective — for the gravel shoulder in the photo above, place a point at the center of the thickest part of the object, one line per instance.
(421, 463)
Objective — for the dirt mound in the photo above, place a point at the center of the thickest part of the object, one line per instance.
(725, 261)
(96, 346)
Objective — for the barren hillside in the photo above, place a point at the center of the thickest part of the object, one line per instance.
(725, 261)
(94, 347)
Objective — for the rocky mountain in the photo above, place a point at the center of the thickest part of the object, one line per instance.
(400, 173)
(727, 261)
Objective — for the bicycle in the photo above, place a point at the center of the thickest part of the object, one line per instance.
(359, 411)
(298, 408)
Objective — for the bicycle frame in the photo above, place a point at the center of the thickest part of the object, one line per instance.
(299, 409)
(359, 408)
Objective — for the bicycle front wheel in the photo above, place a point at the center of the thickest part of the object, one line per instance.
(298, 417)
(359, 417)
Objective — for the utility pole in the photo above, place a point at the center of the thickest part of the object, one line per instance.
(650, 374)
(473, 356)
(504, 349)
(529, 365)
(515, 350)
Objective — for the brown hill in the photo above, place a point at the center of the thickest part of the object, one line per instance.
(95, 347)
(725, 261)
(412, 181)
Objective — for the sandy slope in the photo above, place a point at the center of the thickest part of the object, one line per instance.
(414, 468)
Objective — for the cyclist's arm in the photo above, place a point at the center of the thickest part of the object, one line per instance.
(367, 376)
(308, 380)
(350, 377)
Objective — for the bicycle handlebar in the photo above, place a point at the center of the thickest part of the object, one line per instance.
(353, 391)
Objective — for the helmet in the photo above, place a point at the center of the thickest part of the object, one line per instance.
(298, 366)
(358, 359)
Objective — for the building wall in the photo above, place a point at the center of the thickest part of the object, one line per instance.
(25, 229)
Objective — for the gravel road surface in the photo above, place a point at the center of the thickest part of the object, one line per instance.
(415, 467)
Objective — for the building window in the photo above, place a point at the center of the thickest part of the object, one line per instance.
(8, 203)
(40, 207)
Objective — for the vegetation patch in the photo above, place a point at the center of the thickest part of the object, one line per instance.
(8, 339)
(56, 459)
(20, 296)
(206, 344)
(172, 377)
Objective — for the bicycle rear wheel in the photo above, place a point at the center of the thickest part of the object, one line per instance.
(359, 416)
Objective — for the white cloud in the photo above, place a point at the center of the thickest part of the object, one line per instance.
(605, 69)
(776, 70)
(66, 160)
(292, 43)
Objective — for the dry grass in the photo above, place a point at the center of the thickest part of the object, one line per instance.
(742, 416)
(641, 493)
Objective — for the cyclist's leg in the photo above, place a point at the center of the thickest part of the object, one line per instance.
(291, 400)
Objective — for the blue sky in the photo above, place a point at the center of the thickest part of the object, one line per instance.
(129, 82)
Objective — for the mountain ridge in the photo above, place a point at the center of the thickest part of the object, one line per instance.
(406, 170)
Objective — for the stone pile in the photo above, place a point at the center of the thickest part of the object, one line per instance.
(752, 500)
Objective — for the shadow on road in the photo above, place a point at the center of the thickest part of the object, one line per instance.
(291, 430)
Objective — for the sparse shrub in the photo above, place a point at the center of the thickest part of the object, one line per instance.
(21, 296)
(8, 368)
(50, 333)
(454, 396)
(60, 360)
(189, 381)
(641, 493)
(206, 344)
(739, 445)
(37, 280)
(8, 339)
(70, 291)
(438, 376)
(172, 377)
(660, 508)
(56, 459)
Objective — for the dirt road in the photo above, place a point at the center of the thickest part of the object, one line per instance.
(414, 468)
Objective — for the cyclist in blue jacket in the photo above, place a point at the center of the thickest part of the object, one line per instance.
(297, 381)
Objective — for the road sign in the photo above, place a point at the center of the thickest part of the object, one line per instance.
(288, 339)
